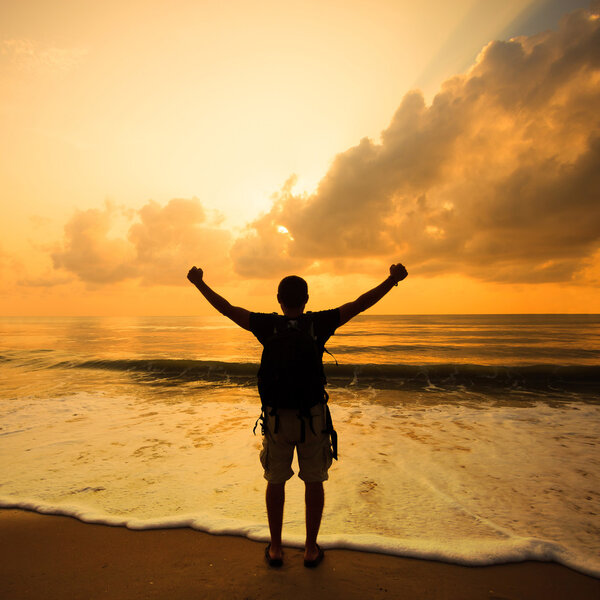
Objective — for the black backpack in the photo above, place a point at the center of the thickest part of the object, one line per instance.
(291, 370)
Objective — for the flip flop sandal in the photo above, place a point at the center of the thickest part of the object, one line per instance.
(272, 562)
(311, 564)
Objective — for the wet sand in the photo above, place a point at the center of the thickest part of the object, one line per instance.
(52, 557)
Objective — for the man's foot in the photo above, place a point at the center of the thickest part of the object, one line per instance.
(313, 559)
(273, 560)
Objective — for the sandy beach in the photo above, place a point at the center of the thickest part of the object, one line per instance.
(59, 557)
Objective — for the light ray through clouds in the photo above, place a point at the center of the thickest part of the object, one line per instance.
(485, 21)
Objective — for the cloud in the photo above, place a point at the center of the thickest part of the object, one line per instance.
(44, 281)
(264, 246)
(156, 244)
(499, 178)
(30, 55)
(171, 238)
(8, 265)
(90, 253)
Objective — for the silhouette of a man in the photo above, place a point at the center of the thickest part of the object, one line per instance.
(279, 442)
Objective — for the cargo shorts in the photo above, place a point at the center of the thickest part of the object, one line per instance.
(314, 454)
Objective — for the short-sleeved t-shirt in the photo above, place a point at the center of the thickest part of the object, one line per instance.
(325, 322)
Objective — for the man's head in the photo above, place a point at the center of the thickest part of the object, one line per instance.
(292, 292)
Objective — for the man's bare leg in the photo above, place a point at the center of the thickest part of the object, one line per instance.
(314, 497)
(275, 499)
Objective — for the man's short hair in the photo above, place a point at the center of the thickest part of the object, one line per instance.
(292, 291)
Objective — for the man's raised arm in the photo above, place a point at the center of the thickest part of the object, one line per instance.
(351, 309)
(240, 316)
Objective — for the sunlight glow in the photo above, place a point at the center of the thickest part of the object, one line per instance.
(435, 232)
(137, 147)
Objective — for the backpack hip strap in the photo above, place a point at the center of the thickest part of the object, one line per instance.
(264, 412)
(262, 418)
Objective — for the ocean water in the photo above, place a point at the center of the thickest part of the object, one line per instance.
(468, 439)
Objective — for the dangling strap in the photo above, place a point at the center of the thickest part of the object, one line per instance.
(273, 413)
(302, 428)
(262, 419)
(310, 423)
(303, 415)
(332, 433)
(332, 356)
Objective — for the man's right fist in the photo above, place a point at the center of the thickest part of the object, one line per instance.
(398, 272)
(195, 275)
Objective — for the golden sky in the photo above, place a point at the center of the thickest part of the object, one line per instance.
(325, 138)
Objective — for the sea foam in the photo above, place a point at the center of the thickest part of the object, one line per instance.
(468, 552)
(469, 482)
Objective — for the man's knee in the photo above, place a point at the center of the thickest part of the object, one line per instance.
(314, 491)
(313, 485)
(276, 487)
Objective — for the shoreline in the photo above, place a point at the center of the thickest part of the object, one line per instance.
(49, 556)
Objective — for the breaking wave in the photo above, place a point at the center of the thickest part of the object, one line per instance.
(535, 377)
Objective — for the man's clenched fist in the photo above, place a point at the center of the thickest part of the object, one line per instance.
(195, 275)
(398, 272)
